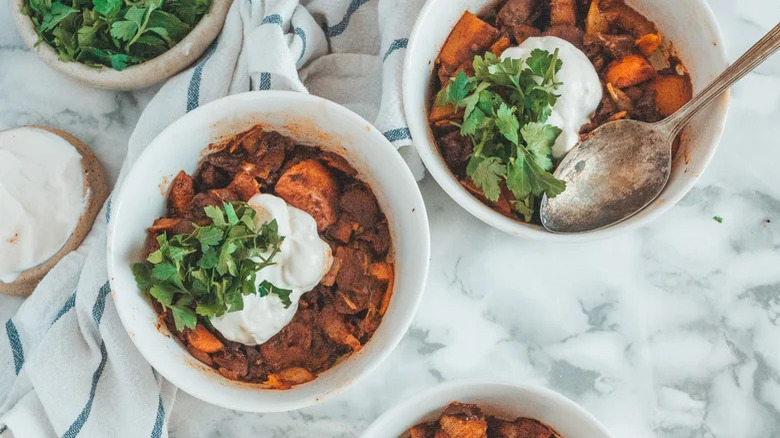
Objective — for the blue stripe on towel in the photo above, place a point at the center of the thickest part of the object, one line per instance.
(158, 423)
(75, 428)
(65, 308)
(97, 314)
(16, 345)
(397, 134)
(265, 81)
(193, 90)
(341, 26)
(400, 43)
(100, 304)
(302, 35)
(3, 429)
(273, 19)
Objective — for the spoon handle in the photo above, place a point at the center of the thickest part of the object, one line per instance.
(757, 54)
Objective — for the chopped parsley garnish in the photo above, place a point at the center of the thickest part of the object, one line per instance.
(113, 33)
(505, 106)
(718, 219)
(209, 271)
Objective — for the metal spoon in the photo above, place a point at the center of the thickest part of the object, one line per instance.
(624, 165)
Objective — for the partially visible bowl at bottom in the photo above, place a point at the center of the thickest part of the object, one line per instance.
(506, 401)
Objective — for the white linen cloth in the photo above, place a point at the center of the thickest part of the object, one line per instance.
(67, 366)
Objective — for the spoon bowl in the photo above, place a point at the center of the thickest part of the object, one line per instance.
(624, 165)
(638, 167)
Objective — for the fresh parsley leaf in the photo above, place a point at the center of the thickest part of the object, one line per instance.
(507, 123)
(486, 174)
(184, 317)
(266, 288)
(718, 219)
(57, 13)
(539, 140)
(208, 272)
(113, 33)
(107, 8)
(506, 104)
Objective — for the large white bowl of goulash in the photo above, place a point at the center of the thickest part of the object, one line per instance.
(611, 46)
(348, 266)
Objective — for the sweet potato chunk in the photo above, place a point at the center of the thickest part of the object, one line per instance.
(672, 92)
(289, 377)
(245, 185)
(311, 187)
(471, 35)
(499, 46)
(203, 340)
(649, 43)
(629, 71)
(181, 193)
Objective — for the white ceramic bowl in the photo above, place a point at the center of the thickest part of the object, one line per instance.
(690, 25)
(138, 76)
(309, 120)
(503, 400)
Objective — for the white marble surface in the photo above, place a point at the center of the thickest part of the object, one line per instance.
(670, 331)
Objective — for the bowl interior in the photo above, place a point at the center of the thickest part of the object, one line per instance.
(690, 26)
(308, 120)
(505, 401)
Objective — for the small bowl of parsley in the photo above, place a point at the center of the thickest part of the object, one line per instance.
(119, 44)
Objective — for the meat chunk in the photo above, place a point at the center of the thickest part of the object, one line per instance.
(288, 347)
(456, 149)
(210, 177)
(245, 185)
(522, 32)
(520, 428)
(336, 161)
(463, 421)
(421, 431)
(377, 239)
(311, 187)
(570, 33)
(358, 202)
(333, 324)
(353, 275)
(516, 12)
(616, 46)
(181, 193)
(172, 225)
(343, 229)
(270, 154)
(563, 12)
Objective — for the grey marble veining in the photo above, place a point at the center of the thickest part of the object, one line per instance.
(670, 331)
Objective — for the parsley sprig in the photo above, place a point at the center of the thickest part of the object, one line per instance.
(113, 33)
(209, 271)
(505, 106)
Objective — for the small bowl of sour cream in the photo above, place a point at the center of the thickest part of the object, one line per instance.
(689, 31)
(259, 356)
(51, 189)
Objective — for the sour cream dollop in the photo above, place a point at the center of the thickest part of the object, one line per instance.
(580, 93)
(301, 263)
(42, 197)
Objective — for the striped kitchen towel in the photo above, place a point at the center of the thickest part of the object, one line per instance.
(67, 366)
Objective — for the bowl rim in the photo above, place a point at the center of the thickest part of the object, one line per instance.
(142, 75)
(429, 153)
(167, 368)
(472, 387)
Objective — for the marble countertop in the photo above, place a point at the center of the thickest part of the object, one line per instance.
(669, 331)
